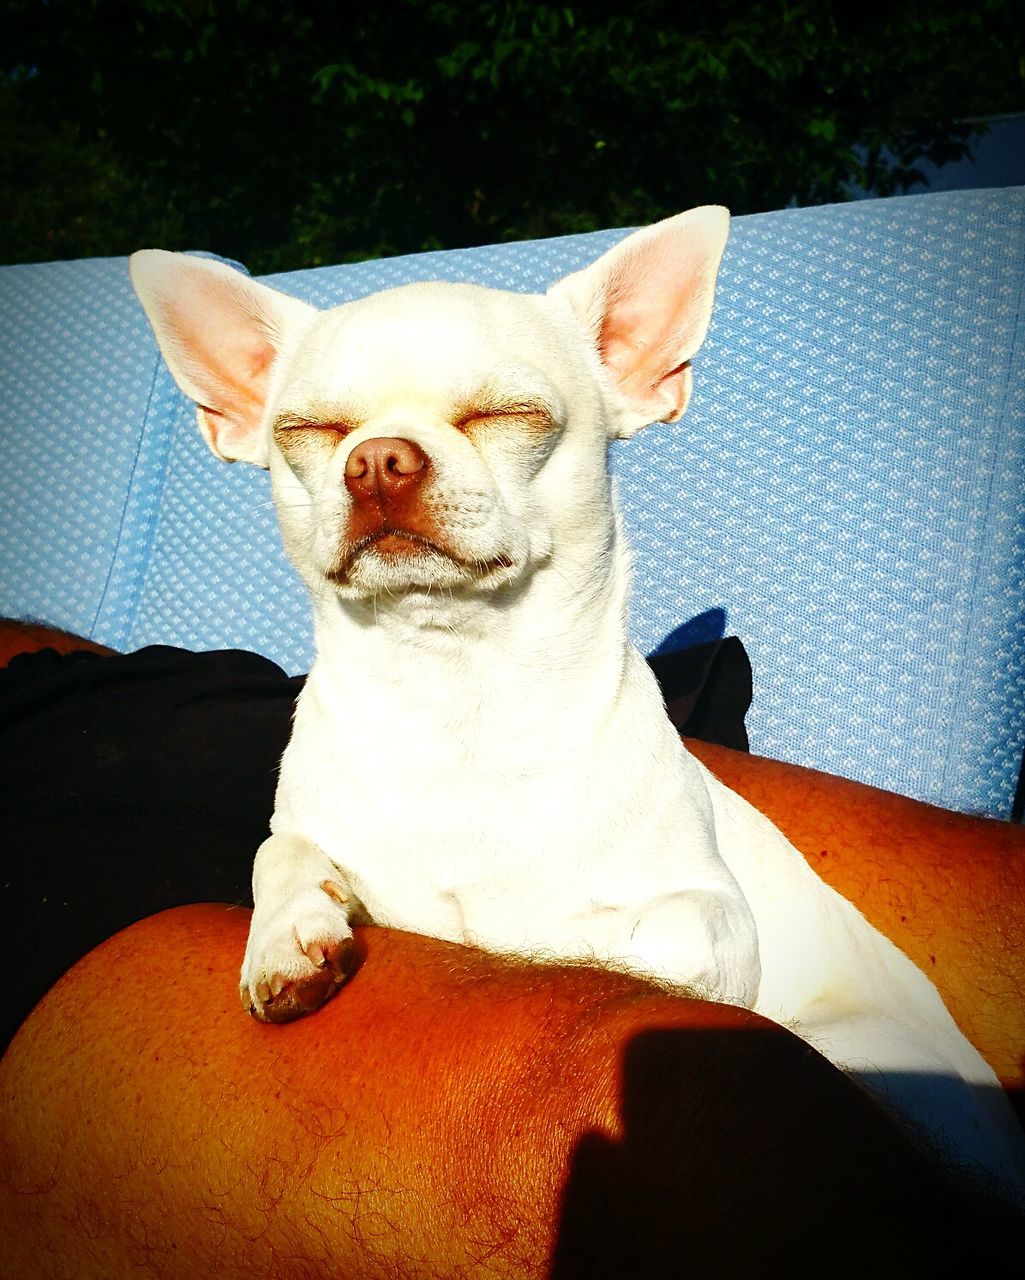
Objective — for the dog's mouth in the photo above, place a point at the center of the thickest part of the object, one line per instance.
(398, 546)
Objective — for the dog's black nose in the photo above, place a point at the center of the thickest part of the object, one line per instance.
(385, 468)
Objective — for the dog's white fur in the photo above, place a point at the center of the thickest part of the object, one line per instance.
(479, 753)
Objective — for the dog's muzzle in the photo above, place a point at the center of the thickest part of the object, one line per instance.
(386, 478)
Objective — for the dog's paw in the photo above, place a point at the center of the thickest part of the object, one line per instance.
(704, 940)
(298, 954)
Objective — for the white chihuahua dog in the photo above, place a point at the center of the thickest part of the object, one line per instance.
(479, 753)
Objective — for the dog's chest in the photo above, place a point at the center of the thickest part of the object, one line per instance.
(417, 818)
(469, 831)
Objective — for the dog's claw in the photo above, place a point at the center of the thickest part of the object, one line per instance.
(299, 951)
(334, 890)
(283, 998)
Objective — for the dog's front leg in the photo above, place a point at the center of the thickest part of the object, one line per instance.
(705, 939)
(300, 942)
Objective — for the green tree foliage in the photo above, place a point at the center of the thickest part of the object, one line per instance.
(294, 135)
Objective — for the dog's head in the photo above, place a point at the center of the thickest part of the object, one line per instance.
(440, 435)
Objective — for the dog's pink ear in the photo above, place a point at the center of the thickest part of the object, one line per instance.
(647, 304)
(220, 334)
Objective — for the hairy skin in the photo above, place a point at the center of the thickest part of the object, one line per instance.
(29, 637)
(450, 1114)
(455, 1114)
(947, 888)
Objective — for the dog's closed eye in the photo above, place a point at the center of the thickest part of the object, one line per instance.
(296, 435)
(530, 415)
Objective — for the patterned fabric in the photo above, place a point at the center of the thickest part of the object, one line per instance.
(849, 486)
(76, 371)
(845, 492)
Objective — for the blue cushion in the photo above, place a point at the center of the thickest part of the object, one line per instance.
(849, 486)
(845, 492)
(78, 371)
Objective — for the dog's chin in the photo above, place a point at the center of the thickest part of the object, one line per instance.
(398, 563)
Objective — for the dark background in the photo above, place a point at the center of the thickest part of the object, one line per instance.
(288, 136)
